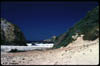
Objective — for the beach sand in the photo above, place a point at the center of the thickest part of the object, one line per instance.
(79, 52)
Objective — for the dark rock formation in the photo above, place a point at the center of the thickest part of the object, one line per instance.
(11, 34)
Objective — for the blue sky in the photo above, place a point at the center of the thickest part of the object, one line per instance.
(42, 20)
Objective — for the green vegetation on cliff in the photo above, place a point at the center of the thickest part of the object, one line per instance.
(88, 26)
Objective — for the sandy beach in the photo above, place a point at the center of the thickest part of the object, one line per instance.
(79, 52)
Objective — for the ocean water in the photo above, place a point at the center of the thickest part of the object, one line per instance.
(6, 48)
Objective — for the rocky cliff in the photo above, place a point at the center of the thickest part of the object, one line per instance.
(88, 26)
(11, 34)
(52, 39)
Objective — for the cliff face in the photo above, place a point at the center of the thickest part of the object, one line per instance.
(52, 39)
(88, 26)
(11, 34)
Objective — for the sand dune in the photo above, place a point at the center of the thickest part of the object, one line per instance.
(79, 52)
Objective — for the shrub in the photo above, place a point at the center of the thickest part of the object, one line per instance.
(88, 26)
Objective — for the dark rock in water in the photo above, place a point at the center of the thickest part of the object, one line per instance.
(11, 34)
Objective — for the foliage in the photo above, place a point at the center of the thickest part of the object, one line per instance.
(88, 26)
